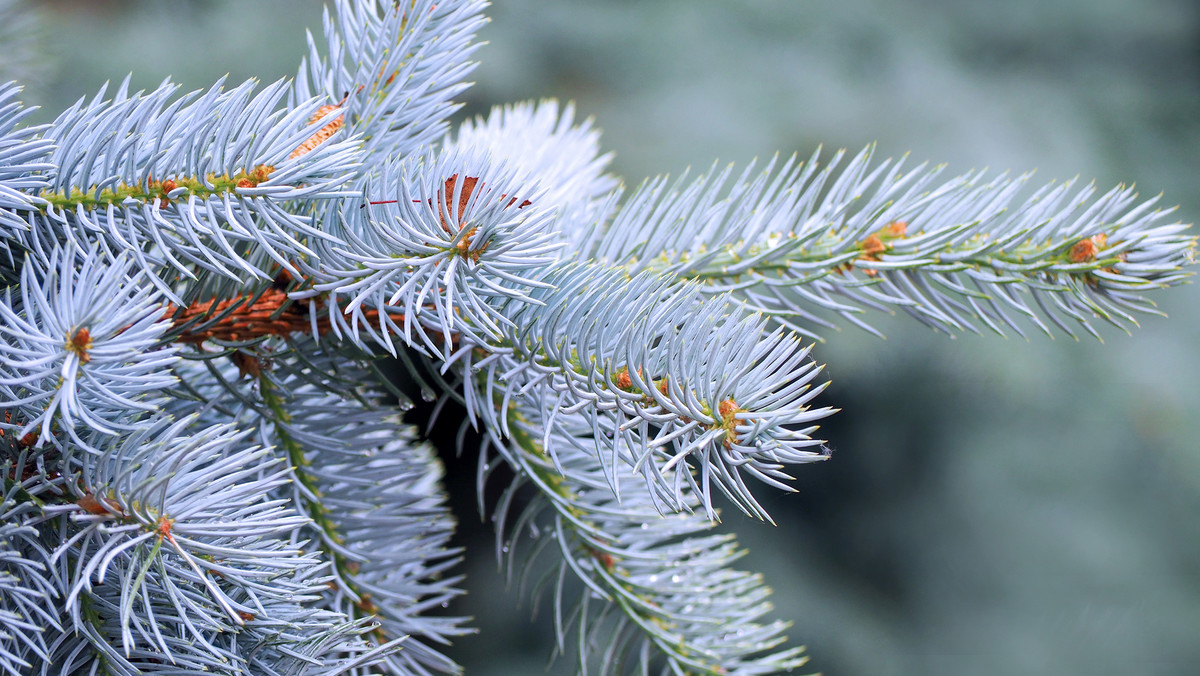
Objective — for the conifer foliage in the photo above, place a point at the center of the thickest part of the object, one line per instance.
(204, 470)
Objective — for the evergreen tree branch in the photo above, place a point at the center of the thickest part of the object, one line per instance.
(207, 182)
(26, 595)
(200, 472)
(368, 488)
(803, 243)
(672, 376)
(469, 261)
(392, 69)
(79, 347)
(675, 597)
(542, 142)
(23, 162)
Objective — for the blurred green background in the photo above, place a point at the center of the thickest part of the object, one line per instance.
(993, 506)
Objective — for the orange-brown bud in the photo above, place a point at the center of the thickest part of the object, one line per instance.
(1083, 251)
(261, 173)
(726, 409)
(623, 381)
(80, 343)
(872, 246)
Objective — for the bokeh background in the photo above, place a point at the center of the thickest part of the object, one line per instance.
(993, 506)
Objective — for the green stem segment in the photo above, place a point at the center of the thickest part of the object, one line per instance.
(212, 184)
(320, 515)
(836, 254)
(535, 463)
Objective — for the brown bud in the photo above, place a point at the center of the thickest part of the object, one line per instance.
(727, 408)
(80, 343)
(1083, 251)
(623, 381)
(872, 246)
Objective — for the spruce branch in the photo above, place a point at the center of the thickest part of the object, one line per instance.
(202, 467)
(23, 161)
(802, 243)
(460, 232)
(392, 69)
(368, 487)
(78, 347)
(161, 550)
(26, 594)
(543, 142)
(206, 182)
(665, 590)
(371, 491)
(665, 376)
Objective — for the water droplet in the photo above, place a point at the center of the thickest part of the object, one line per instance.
(675, 578)
(445, 604)
(504, 549)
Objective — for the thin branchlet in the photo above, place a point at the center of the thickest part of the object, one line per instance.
(805, 243)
